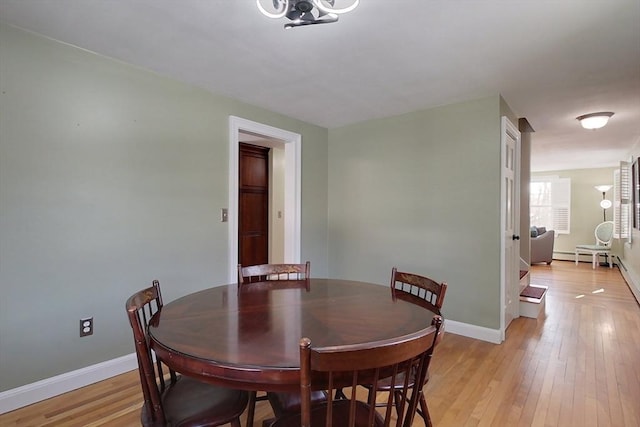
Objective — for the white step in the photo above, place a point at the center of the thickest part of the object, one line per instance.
(532, 307)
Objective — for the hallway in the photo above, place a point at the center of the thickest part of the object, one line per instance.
(578, 364)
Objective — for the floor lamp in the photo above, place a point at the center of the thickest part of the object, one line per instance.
(605, 203)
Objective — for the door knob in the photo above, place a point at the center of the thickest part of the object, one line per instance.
(515, 237)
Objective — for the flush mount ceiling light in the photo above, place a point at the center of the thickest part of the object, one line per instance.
(594, 120)
(306, 12)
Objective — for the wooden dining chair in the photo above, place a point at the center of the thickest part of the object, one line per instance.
(403, 360)
(267, 272)
(426, 293)
(171, 399)
(280, 402)
(418, 289)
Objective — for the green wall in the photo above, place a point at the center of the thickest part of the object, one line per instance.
(421, 192)
(111, 176)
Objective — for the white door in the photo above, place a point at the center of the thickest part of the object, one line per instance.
(510, 219)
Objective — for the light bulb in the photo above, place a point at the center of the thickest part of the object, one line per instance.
(603, 188)
(278, 14)
(326, 9)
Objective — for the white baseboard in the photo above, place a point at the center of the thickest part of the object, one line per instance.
(50, 387)
(633, 282)
(473, 331)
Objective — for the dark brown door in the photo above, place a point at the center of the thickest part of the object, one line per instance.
(253, 205)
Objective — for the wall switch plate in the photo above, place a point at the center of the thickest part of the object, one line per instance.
(224, 215)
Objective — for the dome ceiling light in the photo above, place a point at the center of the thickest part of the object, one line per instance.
(594, 121)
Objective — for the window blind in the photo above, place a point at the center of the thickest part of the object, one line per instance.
(622, 201)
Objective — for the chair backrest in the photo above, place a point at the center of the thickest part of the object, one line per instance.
(266, 272)
(604, 233)
(141, 307)
(335, 368)
(418, 289)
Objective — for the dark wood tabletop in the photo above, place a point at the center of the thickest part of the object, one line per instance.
(248, 338)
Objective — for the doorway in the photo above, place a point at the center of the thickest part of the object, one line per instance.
(291, 211)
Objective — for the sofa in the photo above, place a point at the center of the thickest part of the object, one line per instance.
(541, 245)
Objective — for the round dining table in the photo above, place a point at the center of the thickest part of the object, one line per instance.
(247, 336)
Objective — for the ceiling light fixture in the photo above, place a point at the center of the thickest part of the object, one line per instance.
(305, 12)
(594, 120)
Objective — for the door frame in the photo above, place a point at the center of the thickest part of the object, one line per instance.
(507, 128)
(292, 188)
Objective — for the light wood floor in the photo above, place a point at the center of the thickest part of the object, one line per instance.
(576, 365)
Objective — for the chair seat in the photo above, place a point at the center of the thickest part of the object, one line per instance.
(340, 416)
(191, 403)
(594, 248)
(285, 403)
(385, 383)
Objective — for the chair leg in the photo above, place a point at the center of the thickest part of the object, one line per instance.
(576, 257)
(251, 408)
(340, 395)
(594, 261)
(371, 397)
(424, 411)
(397, 398)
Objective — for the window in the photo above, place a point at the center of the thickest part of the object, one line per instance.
(622, 201)
(550, 203)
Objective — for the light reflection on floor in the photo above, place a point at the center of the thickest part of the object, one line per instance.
(597, 291)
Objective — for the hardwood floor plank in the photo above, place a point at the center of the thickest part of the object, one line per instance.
(577, 364)
(566, 399)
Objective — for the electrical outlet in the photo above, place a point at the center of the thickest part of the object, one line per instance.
(86, 326)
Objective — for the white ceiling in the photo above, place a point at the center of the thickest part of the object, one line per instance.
(551, 60)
